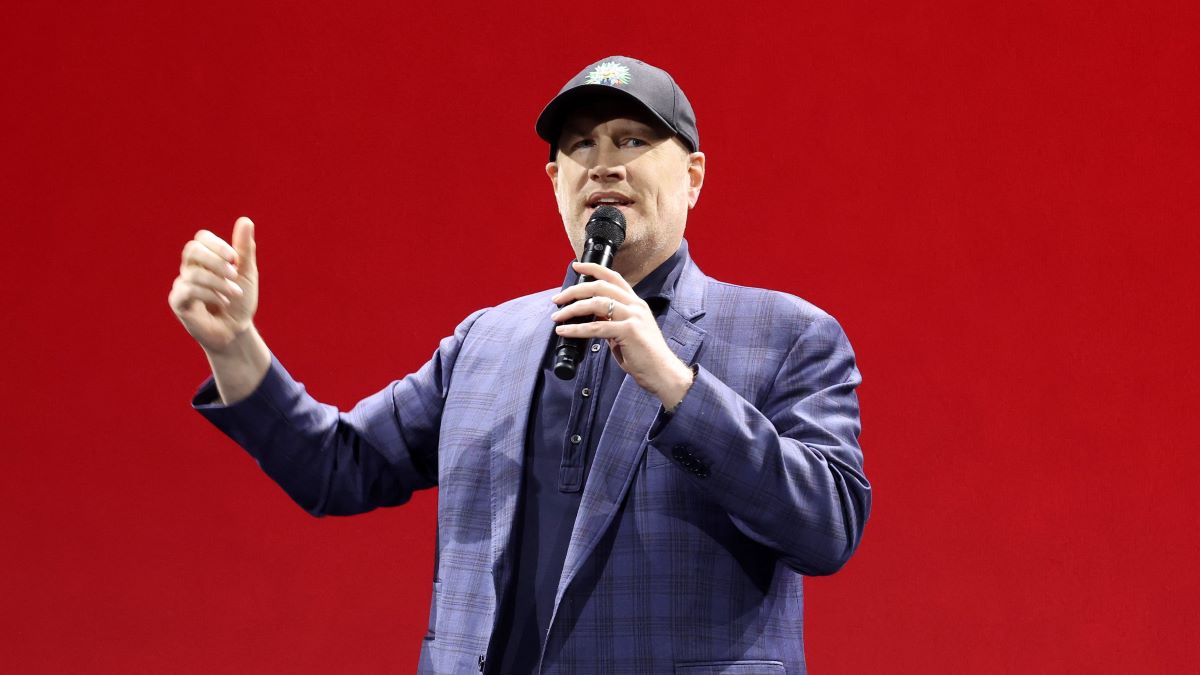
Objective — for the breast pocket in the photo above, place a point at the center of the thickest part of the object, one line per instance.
(747, 667)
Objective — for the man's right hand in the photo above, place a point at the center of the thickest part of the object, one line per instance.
(215, 297)
(216, 293)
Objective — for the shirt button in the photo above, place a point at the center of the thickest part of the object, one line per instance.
(576, 438)
(586, 392)
(596, 348)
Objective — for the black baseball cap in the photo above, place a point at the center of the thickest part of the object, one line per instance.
(653, 88)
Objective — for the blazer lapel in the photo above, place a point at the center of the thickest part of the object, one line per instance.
(530, 339)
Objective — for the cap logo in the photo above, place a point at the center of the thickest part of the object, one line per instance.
(610, 73)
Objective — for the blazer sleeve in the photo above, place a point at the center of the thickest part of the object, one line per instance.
(789, 473)
(343, 463)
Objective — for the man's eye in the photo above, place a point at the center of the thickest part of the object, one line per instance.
(636, 143)
(584, 143)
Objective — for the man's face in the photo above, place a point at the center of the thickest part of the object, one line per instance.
(613, 152)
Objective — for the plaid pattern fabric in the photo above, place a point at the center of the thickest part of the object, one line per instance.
(695, 529)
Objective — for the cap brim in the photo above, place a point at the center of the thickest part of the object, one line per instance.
(549, 123)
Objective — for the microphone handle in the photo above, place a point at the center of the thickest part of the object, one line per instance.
(568, 352)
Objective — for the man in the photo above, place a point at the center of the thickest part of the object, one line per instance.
(653, 515)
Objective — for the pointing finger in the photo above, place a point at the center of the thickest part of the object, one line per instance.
(217, 245)
(601, 272)
(593, 289)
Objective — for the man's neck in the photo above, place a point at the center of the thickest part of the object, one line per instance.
(636, 267)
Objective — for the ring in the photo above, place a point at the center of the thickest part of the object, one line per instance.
(611, 305)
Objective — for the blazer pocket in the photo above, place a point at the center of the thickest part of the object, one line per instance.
(745, 667)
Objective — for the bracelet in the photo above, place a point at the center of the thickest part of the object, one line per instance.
(695, 368)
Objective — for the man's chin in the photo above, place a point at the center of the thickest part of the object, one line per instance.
(631, 225)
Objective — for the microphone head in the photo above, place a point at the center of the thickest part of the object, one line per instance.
(607, 222)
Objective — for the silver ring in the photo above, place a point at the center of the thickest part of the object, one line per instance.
(611, 304)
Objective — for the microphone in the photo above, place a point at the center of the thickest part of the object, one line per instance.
(605, 233)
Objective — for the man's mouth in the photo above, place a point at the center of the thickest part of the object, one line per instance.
(608, 199)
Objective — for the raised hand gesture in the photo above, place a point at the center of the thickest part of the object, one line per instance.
(216, 293)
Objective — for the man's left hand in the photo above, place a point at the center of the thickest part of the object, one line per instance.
(632, 333)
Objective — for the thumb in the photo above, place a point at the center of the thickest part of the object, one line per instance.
(243, 243)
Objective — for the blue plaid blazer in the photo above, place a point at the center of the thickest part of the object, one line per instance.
(695, 529)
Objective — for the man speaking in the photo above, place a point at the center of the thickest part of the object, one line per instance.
(653, 507)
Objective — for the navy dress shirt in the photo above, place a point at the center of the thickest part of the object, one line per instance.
(566, 420)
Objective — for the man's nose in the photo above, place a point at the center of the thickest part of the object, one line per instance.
(608, 166)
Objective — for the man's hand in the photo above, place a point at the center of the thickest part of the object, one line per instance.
(216, 293)
(632, 333)
(215, 297)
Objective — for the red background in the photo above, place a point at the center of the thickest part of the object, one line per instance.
(998, 202)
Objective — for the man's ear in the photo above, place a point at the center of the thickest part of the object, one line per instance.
(552, 172)
(695, 172)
